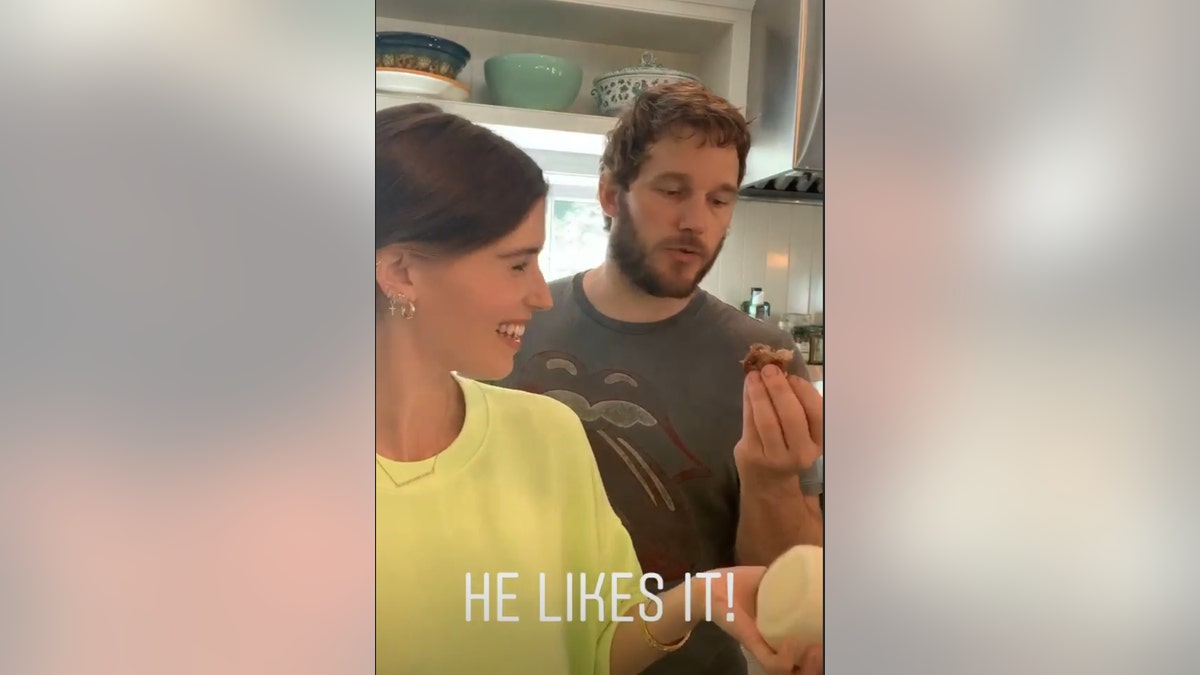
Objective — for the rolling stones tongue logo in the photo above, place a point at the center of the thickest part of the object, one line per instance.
(641, 458)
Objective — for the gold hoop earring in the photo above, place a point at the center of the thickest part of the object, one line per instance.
(407, 309)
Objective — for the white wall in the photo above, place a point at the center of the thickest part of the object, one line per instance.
(778, 247)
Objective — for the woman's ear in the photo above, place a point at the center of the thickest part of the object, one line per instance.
(393, 272)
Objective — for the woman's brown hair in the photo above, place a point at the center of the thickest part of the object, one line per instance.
(445, 185)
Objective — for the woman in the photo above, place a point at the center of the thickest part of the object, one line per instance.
(488, 499)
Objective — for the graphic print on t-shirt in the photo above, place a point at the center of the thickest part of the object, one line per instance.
(642, 459)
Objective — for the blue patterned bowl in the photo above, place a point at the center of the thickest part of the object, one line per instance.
(417, 51)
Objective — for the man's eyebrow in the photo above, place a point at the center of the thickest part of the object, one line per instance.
(674, 175)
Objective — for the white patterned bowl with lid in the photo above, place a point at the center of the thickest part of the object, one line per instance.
(613, 91)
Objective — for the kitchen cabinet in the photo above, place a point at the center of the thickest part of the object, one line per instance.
(708, 38)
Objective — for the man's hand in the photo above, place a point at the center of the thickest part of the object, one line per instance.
(783, 422)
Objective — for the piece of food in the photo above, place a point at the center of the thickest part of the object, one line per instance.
(761, 356)
(791, 598)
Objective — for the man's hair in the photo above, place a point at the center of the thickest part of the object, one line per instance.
(682, 109)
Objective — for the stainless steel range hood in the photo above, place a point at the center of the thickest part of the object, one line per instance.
(786, 102)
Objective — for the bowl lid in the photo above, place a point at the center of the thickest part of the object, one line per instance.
(649, 66)
(407, 39)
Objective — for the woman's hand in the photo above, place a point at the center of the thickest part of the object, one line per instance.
(811, 661)
(789, 658)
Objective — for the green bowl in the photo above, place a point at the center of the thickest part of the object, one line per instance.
(534, 81)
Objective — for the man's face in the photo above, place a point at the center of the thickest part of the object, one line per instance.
(669, 227)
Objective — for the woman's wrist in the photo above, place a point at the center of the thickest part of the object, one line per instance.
(676, 622)
(660, 645)
(635, 647)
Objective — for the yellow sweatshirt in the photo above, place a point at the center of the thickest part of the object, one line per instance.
(517, 493)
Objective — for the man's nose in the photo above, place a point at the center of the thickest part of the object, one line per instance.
(696, 215)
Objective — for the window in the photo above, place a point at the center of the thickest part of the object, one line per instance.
(575, 236)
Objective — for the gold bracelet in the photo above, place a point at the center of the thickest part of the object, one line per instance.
(650, 640)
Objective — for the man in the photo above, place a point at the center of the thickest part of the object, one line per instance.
(651, 363)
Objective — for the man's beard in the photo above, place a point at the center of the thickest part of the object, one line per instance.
(633, 258)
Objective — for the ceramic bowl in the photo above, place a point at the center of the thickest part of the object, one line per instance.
(417, 51)
(613, 91)
(536, 81)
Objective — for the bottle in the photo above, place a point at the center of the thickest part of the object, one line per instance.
(756, 306)
(816, 342)
(800, 333)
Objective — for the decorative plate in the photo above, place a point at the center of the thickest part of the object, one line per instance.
(420, 83)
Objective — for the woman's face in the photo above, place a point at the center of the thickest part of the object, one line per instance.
(472, 310)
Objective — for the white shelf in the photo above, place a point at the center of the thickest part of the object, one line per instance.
(667, 25)
(707, 38)
(529, 129)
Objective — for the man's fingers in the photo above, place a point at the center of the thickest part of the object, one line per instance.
(814, 407)
(749, 430)
(787, 408)
(765, 419)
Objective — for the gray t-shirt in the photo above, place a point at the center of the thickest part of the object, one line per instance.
(662, 406)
